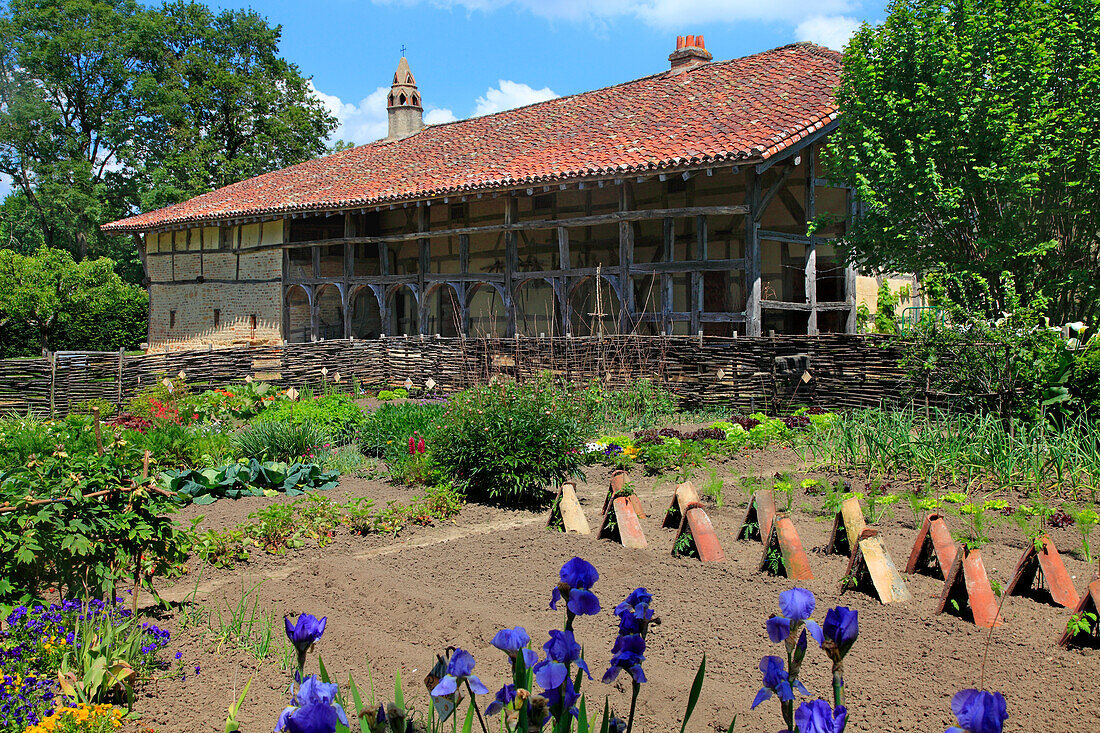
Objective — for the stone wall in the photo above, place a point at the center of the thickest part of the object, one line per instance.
(200, 294)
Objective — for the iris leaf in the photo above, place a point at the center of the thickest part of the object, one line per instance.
(696, 688)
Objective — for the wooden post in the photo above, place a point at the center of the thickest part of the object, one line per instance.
(752, 253)
(98, 431)
(349, 271)
(561, 288)
(423, 223)
(666, 279)
(121, 357)
(811, 248)
(511, 261)
(626, 260)
(849, 271)
(53, 380)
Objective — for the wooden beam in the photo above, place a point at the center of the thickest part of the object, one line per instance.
(581, 221)
(811, 250)
(774, 189)
(626, 259)
(511, 262)
(424, 265)
(666, 279)
(782, 305)
(849, 271)
(774, 236)
(796, 147)
(563, 248)
(752, 254)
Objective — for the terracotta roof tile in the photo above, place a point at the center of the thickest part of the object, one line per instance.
(747, 108)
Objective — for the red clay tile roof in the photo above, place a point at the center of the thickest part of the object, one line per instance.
(745, 109)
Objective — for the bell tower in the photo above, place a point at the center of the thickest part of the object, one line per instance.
(403, 104)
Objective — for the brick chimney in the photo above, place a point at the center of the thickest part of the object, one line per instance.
(690, 52)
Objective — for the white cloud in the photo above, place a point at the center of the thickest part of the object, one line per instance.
(685, 15)
(833, 31)
(439, 116)
(368, 121)
(509, 95)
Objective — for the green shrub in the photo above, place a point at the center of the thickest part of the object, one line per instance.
(386, 394)
(505, 442)
(640, 405)
(106, 407)
(400, 393)
(1084, 382)
(280, 441)
(336, 415)
(385, 432)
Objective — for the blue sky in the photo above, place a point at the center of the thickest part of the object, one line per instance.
(479, 56)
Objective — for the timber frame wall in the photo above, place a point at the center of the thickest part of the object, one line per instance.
(752, 189)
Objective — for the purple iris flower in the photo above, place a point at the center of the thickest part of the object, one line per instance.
(635, 613)
(978, 711)
(305, 715)
(577, 578)
(797, 605)
(627, 655)
(564, 697)
(460, 669)
(840, 631)
(315, 717)
(816, 716)
(305, 631)
(504, 696)
(616, 725)
(514, 642)
(776, 682)
(563, 649)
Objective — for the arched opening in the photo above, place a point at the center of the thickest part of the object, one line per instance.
(487, 314)
(298, 328)
(536, 309)
(330, 313)
(404, 312)
(401, 99)
(444, 314)
(366, 317)
(593, 310)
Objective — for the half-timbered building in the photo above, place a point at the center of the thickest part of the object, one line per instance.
(677, 203)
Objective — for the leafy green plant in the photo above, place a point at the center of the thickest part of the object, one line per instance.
(247, 478)
(1083, 623)
(505, 442)
(78, 523)
(1085, 519)
(246, 625)
(280, 441)
(275, 528)
(385, 432)
(336, 416)
(222, 549)
(713, 487)
(105, 658)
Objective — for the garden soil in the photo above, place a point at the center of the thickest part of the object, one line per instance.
(393, 603)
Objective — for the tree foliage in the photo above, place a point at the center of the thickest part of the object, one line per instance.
(51, 301)
(970, 135)
(108, 106)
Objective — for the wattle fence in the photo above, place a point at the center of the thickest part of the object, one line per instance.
(770, 373)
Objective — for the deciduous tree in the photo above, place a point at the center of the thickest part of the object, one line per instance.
(970, 133)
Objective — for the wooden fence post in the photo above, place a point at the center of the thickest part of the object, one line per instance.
(53, 380)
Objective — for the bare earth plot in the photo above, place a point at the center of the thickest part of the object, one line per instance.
(395, 603)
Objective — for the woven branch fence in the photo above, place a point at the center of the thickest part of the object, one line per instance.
(767, 374)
